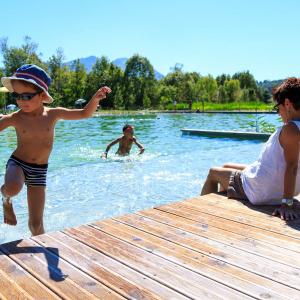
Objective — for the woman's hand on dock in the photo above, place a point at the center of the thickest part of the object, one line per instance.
(286, 213)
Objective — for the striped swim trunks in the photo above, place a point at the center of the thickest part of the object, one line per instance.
(35, 175)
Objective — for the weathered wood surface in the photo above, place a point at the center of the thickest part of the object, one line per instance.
(206, 247)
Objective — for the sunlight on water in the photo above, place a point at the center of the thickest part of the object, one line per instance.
(82, 187)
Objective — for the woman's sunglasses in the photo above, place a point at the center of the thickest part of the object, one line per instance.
(23, 96)
(276, 107)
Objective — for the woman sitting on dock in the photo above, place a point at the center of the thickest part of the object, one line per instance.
(274, 178)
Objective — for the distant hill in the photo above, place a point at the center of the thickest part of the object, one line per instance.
(89, 61)
(269, 84)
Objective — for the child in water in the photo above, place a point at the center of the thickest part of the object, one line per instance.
(125, 142)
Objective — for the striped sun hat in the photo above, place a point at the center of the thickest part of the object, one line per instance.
(33, 74)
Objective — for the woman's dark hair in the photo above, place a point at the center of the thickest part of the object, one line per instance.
(289, 89)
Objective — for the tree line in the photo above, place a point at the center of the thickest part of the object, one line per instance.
(133, 88)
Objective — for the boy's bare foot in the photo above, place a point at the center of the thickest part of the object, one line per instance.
(8, 213)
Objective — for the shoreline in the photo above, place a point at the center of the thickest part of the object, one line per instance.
(145, 112)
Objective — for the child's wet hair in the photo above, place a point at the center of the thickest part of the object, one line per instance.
(126, 126)
(289, 89)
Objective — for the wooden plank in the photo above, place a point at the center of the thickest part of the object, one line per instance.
(236, 278)
(238, 224)
(255, 246)
(243, 211)
(24, 283)
(110, 272)
(261, 212)
(47, 268)
(242, 259)
(10, 290)
(179, 279)
(206, 221)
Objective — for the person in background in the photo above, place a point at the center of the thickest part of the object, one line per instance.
(125, 142)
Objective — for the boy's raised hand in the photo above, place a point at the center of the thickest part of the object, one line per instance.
(101, 93)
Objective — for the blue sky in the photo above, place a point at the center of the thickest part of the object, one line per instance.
(209, 37)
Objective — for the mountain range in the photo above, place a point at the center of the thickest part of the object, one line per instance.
(89, 61)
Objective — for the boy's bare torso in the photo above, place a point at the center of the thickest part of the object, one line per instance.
(125, 144)
(35, 135)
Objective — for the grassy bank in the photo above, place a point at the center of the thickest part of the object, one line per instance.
(236, 106)
(208, 106)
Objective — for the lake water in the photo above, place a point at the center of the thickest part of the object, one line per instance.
(81, 187)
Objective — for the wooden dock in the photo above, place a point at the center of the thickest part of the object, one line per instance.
(206, 247)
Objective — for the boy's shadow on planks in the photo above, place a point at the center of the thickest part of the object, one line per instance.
(21, 254)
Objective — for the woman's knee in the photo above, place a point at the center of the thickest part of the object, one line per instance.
(213, 172)
(228, 165)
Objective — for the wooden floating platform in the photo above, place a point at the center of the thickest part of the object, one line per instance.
(227, 134)
(206, 247)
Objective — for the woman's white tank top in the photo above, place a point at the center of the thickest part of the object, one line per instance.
(263, 180)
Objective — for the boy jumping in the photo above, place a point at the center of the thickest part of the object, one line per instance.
(34, 124)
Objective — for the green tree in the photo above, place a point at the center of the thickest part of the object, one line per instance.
(115, 98)
(246, 80)
(118, 98)
(183, 85)
(139, 82)
(106, 73)
(77, 82)
(174, 79)
(60, 76)
(97, 77)
(14, 57)
(222, 78)
(205, 89)
(232, 90)
(186, 89)
(211, 87)
(165, 95)
(222, 96)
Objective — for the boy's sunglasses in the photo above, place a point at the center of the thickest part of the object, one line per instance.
(23, 96)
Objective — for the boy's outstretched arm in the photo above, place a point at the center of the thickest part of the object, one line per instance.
(142, 149)
(87, 111)
(109, 145)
